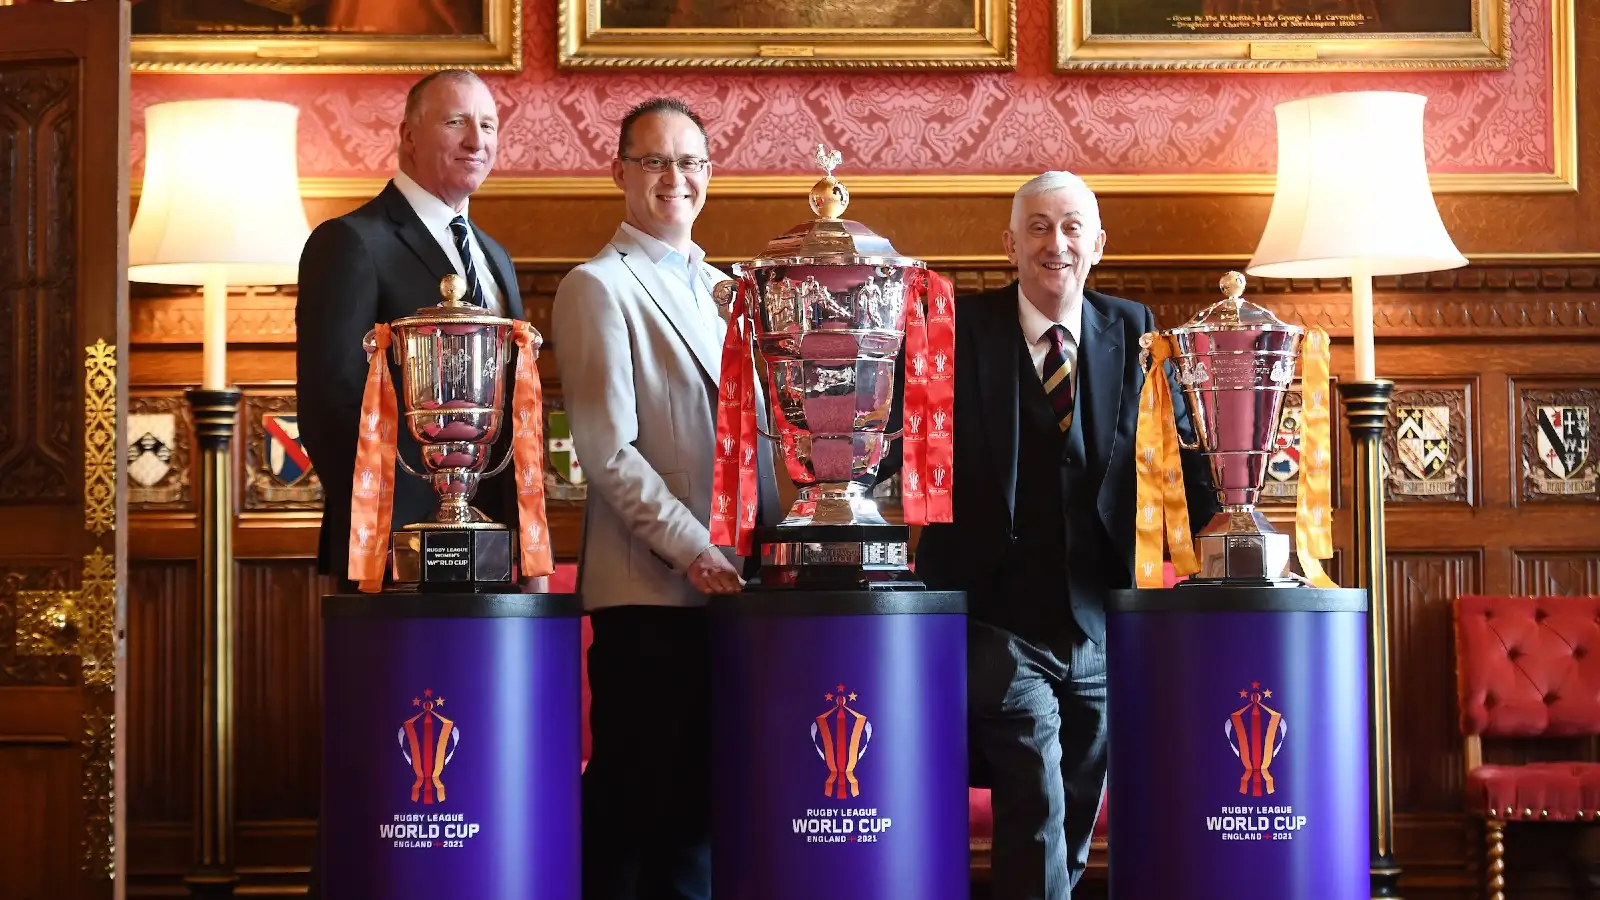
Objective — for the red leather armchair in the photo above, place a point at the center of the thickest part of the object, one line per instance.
(1527, 667)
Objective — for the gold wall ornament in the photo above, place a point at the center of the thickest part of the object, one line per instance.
(99, 856)
(1123, 35)
(81, 622)
(310, 48)
(788, 34)
(100, 438)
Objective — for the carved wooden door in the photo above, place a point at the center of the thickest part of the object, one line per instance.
(63, 301)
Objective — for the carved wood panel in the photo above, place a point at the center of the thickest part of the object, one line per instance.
(1559, 462)
(1429, 447)
(160, 690)
(158, 434)
(278, 688)
(1423, 586)
(278, 475)
(38, 288)
(1558, 573)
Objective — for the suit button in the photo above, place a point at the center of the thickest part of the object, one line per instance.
(1013, 538)
(1069, 461)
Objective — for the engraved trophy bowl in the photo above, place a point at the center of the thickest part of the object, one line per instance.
(828, 301)
(453, 367)
(1235, 362)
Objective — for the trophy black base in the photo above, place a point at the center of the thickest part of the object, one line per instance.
(834, 558)
(468, 560)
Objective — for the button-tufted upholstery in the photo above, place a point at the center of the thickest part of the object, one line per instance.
(1527, 667)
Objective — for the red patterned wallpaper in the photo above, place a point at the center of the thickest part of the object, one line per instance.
(564, 123)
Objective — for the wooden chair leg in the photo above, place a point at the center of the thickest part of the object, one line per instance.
(1494, 835)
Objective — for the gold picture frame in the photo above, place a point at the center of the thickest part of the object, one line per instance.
(1187, 35)
(787, 34)
(287, 36)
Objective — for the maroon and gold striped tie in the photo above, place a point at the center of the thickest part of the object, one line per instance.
(1057, 376)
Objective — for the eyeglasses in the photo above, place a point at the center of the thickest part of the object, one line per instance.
(658, 164)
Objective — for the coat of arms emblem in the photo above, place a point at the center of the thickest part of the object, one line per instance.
(1561, 441)
(1423, 449)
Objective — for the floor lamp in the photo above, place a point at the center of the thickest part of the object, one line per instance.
(1353, 201)
(220, 207)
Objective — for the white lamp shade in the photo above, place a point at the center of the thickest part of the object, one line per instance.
(1352, 185)
(221, 195)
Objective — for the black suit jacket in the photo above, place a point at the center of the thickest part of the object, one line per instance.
(375, 264)
(968, 553)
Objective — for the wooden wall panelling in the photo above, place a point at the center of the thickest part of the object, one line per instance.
(1480, 335)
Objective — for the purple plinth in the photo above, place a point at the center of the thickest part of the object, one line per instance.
(1238, 743)
(840, 746)
(452, 746)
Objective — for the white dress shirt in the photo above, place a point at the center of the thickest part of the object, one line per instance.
(683, 277)
(1034, 325)
(436, 216)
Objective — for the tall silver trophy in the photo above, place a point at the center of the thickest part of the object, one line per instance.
(1235, 362)
(453, 360)
(829, 300)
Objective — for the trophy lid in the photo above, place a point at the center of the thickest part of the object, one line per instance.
(1234, 313)
(452, 310)
(829, 240)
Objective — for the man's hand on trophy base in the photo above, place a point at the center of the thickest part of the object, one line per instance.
(711, 573)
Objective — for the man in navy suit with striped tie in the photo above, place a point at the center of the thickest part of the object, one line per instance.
(384, 261)
(1046, 404)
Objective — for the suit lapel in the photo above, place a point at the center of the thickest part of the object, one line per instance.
(505, 274)
(998, 341)
(683, 320)
(1100, 387)
(411, 232)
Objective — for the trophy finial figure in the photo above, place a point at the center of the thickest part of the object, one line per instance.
(828, 197)
(453, 287)
(1232, 285)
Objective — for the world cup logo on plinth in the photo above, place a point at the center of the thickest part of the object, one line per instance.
(428, 742)
(841, 736)
(822, 318)
(1256, 733)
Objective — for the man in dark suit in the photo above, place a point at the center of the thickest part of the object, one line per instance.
(1046, 407)
(384, 261)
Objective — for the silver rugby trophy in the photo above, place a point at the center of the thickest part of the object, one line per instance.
(829, 300)
(453, 360)
(1235, 361)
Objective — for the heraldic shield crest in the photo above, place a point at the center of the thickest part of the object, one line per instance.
(1563, 439)
(1423, 440)
(841, 736)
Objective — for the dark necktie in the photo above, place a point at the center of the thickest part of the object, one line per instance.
(1058, 376)
(459, 228)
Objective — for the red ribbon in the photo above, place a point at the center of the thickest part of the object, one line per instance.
(733, 477)
(928, 444)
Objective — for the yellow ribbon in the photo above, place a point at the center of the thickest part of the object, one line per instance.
(1313, 515)
(1163, 510)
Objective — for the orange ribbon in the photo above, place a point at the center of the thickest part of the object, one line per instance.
(1162, 512)
(372, 491)
(527, 448)
(1313, 518)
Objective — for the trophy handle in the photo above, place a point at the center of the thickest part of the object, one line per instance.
(502, 467)
(400, 458)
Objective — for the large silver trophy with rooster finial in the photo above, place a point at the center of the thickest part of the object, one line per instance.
(828, 300)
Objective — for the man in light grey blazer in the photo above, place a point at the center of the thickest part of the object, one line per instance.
(638, 341)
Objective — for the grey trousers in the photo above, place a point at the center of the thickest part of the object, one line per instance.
(1038, 719)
